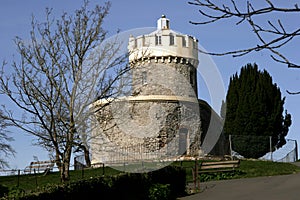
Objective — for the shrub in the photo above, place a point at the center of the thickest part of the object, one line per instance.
(173, 175)
(166, 183)
(3, 190)
(159, 192)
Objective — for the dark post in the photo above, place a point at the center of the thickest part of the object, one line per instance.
(230, 147)
(296, 148)
(271, 152)
(197, 175)
(194, 170)
(18, 183)
(103, 170)
(196, 181)
(36, 182)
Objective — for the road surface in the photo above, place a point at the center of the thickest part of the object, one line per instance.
(284, 187)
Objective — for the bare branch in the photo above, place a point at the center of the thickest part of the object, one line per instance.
(6, 149)
(215, 11)
(292, 93)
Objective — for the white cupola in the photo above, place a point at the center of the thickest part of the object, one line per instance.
(163, 23)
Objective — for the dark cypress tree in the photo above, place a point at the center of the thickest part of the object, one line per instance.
(254, 112)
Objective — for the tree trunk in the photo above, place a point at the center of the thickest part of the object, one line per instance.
(87, 157)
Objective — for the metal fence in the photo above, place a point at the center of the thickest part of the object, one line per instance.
(10, 172)
(287, 153)
(137, 153)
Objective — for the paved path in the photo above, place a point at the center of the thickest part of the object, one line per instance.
(285, 187)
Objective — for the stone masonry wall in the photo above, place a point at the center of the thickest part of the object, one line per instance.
(166, 78)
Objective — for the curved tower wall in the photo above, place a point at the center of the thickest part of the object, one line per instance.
(161, 117)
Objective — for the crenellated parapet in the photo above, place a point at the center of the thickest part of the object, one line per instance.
(163, 59)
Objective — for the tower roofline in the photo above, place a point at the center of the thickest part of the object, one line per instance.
(163, 43)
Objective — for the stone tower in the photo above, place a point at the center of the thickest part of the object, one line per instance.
(160, 119)
(164, 47)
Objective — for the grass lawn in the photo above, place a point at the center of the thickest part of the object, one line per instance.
(267, 168)
(247, 169)
(31, 182)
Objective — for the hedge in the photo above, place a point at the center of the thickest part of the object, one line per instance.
(166, 183)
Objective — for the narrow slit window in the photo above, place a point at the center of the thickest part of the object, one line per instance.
(144, 78)
(172, 39)
(184, 42)
(157, 39)
(192, 78)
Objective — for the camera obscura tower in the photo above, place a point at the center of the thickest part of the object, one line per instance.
(160, 119)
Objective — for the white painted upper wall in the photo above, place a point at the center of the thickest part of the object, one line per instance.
(163, 42)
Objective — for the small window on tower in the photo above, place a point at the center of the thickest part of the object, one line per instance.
(184, 42)
(157, 39)
(144, 78)
(168, 24)
(143, 40)
(135, 43)
(192, 78)
(172, 39)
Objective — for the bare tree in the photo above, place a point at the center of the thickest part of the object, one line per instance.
(6, 149)
(272, 32)
(62, 70)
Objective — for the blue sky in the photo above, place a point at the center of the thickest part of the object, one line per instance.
(15, 17)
